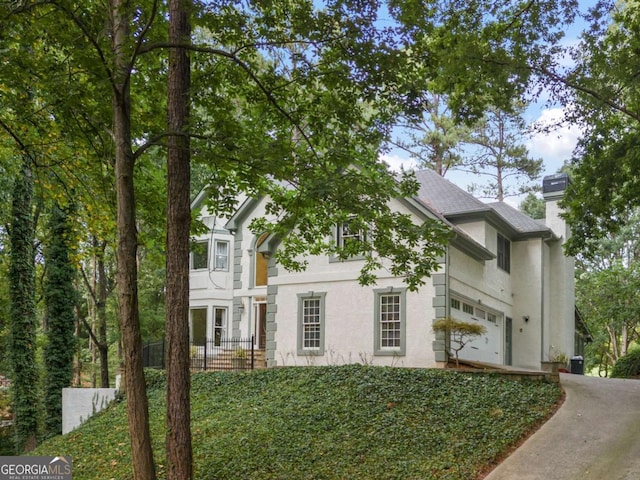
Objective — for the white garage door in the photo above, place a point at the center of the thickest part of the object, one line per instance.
(487, 347)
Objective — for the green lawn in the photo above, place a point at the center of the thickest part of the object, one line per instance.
(349, 422)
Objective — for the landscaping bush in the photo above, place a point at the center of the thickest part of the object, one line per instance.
(627, 366)
(155, 378)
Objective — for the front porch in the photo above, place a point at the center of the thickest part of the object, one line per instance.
(211, 355)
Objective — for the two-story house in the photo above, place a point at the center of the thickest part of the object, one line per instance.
(502, 269)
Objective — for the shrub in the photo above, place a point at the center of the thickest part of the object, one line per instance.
(155, 379)
(627, 366)
(460, 332)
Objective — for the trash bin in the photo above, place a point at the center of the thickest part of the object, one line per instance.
(577, 365)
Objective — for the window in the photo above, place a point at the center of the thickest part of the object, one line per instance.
(261, 264)
(474, 311)
(311, 323)
(200, 255)
(390, 322)
(348, 233)
(221, 249)
(504, 253)
(219, 325)
(198, 326)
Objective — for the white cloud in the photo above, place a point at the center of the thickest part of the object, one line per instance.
(396, 162)
(556, 145)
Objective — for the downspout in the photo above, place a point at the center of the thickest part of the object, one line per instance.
(447, 299)
(542, 296)
(447, 284)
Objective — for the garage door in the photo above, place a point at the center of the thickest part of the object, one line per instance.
(487, 347)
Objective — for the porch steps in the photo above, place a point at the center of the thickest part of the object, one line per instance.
(226, 360)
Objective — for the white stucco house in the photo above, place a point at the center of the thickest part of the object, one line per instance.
(502, 269)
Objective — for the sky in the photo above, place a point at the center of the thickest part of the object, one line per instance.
(554, 147)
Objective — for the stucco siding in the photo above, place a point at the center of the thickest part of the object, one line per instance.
(349, 324)
(481, 281)
(527, 272)
(478, 230)
(208, 283)
(561, 311)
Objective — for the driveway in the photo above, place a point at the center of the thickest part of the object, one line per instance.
(594, 435)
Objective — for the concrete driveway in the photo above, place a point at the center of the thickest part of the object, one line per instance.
(594, 435)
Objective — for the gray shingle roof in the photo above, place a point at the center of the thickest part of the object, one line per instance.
(453, 202)
(444, 196)
(518, 220)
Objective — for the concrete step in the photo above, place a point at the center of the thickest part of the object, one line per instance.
(227, 360)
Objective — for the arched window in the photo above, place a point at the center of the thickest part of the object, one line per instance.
(261, 263)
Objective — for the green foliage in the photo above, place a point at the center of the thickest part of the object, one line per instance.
(22, 336)
(328, 422)
(627, 366)
(155, 379)
(7, 438)
(533, 206)
(59, 296)
(4, 305)
(308, 217)
(7, 446)
(605, 98)
(607, 282)
(453, 326)
(459, 332)
(434, 139)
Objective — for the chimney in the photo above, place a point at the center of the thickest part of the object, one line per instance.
(553, 187)
(558, 322)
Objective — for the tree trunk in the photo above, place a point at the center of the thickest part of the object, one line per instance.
(22, 335)
(499, 183)
(58, 292)
(77, 363)
(93, 313)
(127, 277)
(98, 287)
(101, 308)
(613, 337)
(178, 440)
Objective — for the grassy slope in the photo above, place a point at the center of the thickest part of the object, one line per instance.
(327, 423)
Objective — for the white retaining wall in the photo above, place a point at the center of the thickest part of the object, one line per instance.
(79, 404)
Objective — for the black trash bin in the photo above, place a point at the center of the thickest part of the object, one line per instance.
(577, 365)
